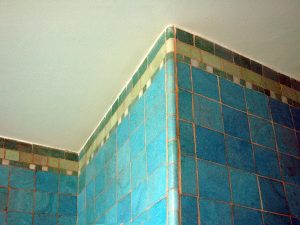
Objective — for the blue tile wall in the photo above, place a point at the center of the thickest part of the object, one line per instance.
(239, 154)
(36, 197)
(130, 185)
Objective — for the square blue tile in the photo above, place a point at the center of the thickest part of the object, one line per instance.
(124, 155)
(257, 103)
(81, 203)
(281, 113)
(156, 152)
(286, 140)
(138, 169)
(262, 132)
(20, 200)
(266, 162)
(296, 117)
(235, 123)
(19, 218)
(46, 181)
(232, 94)
(90, 193)
(185, 105)
(186, 138)
(70, 220)
(46, 203)
(295, 221)
(67, 205)
(123, 182)
(273, 219)
(99, 183)
(239, 154)
(208, 113)
(188, 175)
(290, 167)
(137, 114)
(205, 83)
(123, 131)
(3, 198)
(3, 176)
(124, 209)
(157, 184)
(293, 196)
(212, 213)
(68, 184)
(2, 218)
(154, 126)
(157, 213)
(184, 76)
(139, 199)
(273, 196)
(137, 142)
(244, 216)
(22, 178)
(213, 181)
(44, 219)
(244, 188)
(210, 145)
(189, 211)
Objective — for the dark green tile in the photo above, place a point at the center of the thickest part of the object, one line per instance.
(157, 46)
(19, 164)
(219, 73)
(269, 73)
(115, 106)
(241, 61)
(223, 53)
(184, 36)
(1, 142)
(256, 67)
(242, 82)
(42, 150)
(187, 60)
(17, 145)
(179, 57)
(204, 44)
(71, 156)
(170, 32)
(122, 96)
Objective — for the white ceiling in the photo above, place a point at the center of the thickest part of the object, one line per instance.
(62, 63)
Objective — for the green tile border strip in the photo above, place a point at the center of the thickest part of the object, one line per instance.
(235, 58)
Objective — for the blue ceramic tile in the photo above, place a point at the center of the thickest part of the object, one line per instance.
(90, 214)
(273, 197)
(67, 205)
(235, 123)
(286, 140)
(3, 198)
(81, 203)
(156, 152)
(20, 200)
(124, 155)
(2, 218)
(290, 167)
(109, 148)
(137, 113)
(68, 184)
(124, 209)
(70, 220)
(21, 178)
(139, 199)
(99, 183)
(185, 105)
(239, 154)
(244, 189)
(210, 145)
(19, 218)
(188, 175)
(212, 213)
(111, 216)
(232, 94)
(266, 162)
(154, 126)
(189, 211)
(242, 216)
(3, 176)
(293, 196)
(90, 193)
(123, 131)
(213, 181)
(157, 213)
(184, 76)
(90, 171)
(82, 218)
(296, 117)
(205, 84)
(137, 141)
(157, 185)
(272, 219)
(257, 103)
(261, 132)
(41, 219)
(186, 137)
(281, 113)
(138, 169)
(208, 113)
(46, 181)
(295, 221)
(45, 203)
(123, 183)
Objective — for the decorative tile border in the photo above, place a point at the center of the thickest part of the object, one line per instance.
(37, 157)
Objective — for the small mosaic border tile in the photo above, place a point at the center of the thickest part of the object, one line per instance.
(214, 63)
(235, 58)
(37, 157)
